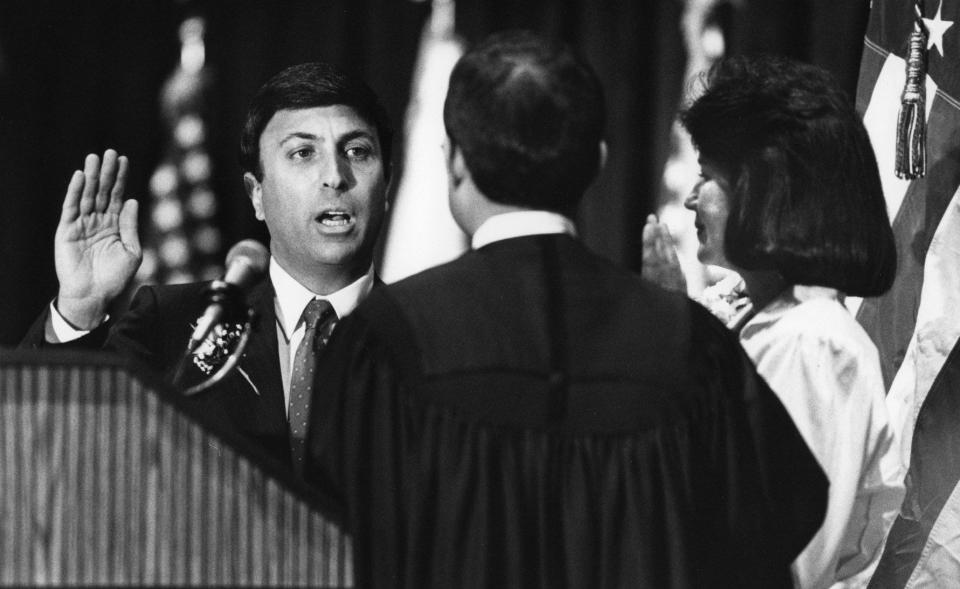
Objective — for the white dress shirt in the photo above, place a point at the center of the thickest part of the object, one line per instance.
(292, 298)
(825, 370)
(58, 331)
(521, 224)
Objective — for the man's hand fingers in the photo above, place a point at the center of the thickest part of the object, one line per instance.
(71, 202)
(647, 237)
(91, 173)
(119, 185)
(665, 243)
(129, 233)
(108, 174)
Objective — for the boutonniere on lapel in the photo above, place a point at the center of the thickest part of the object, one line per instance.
(217, 347)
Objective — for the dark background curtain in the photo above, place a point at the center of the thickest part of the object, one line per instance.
(78, 77)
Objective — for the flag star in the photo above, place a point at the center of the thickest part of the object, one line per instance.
(936, 28)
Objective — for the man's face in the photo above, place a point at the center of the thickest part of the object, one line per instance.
(323, 192)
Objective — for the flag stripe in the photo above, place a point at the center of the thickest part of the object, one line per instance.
(890, 319)
(933, 468)
(937, 329)
(928, 419)
(938, 565)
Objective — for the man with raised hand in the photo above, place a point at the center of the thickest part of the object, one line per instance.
(315, 151)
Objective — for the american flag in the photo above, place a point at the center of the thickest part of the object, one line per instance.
(422, 232)
(916, 325)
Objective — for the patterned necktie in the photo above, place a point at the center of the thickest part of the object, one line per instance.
(319, 319)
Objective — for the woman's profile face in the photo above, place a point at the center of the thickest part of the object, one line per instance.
(711, 202)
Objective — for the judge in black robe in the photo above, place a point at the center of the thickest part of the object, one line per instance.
(531, 415)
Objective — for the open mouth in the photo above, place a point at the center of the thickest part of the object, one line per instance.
(334, 218)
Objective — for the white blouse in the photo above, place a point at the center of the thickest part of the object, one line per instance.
(826, 371)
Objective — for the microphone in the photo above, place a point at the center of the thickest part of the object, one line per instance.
(246, 263)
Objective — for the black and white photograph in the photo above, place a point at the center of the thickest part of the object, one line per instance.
(480, 294)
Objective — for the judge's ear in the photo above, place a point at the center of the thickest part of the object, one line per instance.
(603, 156)
(456, 166)
(255, 192)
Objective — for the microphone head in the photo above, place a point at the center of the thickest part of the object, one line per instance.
(247, 262)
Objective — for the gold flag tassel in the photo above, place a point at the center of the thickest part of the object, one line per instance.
(911, 122)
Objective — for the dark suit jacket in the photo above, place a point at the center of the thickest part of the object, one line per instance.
(530, 415)
(154, 333)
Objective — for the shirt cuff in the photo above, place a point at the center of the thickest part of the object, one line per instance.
(60, 331)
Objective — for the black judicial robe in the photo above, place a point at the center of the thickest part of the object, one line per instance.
(530, 415)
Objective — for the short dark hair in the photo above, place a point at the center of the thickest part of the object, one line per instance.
(310, 85)
(528, 116)
(806, 194)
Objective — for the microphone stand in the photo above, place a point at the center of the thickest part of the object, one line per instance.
(227, 366)
(225, 295)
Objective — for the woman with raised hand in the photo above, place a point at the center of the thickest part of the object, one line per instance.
(790, 198)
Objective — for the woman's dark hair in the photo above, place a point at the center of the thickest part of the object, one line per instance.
(310, 85)
(528, 116)
(806, 195)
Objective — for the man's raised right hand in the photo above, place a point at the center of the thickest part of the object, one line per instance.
(97, 247)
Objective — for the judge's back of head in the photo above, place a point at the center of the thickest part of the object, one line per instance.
(528, 115)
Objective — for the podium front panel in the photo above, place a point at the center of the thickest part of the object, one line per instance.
(104, 482)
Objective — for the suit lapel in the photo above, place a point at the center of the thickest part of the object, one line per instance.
(260, 365)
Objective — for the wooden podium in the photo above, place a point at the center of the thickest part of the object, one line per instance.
(105, 480)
